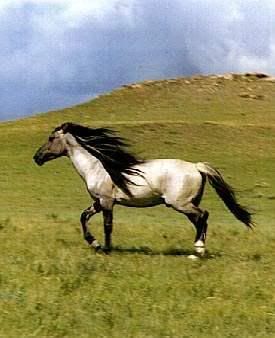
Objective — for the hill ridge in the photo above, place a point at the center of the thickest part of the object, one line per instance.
(236, 98)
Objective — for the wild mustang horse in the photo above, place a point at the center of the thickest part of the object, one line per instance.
(115, 176)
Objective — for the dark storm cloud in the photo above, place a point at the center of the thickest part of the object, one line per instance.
(49, 60)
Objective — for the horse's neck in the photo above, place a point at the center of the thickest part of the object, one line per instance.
(86, 164)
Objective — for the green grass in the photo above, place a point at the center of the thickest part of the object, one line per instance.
(53, 285)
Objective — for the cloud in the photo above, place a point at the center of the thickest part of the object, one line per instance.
(58, 53)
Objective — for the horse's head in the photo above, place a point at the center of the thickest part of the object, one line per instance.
(53, 148)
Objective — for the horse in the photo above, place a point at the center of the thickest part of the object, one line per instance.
(113, 175)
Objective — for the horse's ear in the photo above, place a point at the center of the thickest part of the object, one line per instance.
(65, 127)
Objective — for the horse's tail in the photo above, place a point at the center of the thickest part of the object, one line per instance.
(226, 193)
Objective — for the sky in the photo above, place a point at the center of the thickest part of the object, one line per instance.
(55, 54)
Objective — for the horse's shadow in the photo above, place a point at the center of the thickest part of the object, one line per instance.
(145, 250)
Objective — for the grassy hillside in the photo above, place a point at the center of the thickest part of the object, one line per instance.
(52, 285)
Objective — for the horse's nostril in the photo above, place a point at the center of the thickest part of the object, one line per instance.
(37, 160)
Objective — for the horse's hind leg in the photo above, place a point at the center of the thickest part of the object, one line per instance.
(200, 222)
(84, 219)
(199, 218)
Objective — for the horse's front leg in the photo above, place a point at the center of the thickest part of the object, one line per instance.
(84, 219)
(108, 228)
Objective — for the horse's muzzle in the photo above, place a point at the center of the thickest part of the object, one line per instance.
(38, 159)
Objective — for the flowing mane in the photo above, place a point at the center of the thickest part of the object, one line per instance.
(109, 149)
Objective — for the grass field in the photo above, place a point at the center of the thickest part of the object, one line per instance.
(53, 285)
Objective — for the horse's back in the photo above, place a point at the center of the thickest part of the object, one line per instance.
(169, 167)
(176, 180)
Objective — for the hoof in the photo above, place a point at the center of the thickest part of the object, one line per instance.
(200, 248)
(100, 252)
(97, 247)
(193, 257)
(107, 251)
(200, 251)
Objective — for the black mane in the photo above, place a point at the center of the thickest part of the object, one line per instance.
(111, 150)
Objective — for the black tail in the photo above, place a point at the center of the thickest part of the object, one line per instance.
(226, 193)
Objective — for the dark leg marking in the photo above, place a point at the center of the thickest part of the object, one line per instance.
(201, 226)
(108, 228)
(200, 222)
(84, 219)
(199, 218)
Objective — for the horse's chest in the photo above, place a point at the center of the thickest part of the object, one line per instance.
(99, 186)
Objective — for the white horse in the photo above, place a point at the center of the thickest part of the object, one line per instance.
(115, 176)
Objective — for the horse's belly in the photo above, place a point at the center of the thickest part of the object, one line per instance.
(142, 196)
(140, 202)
